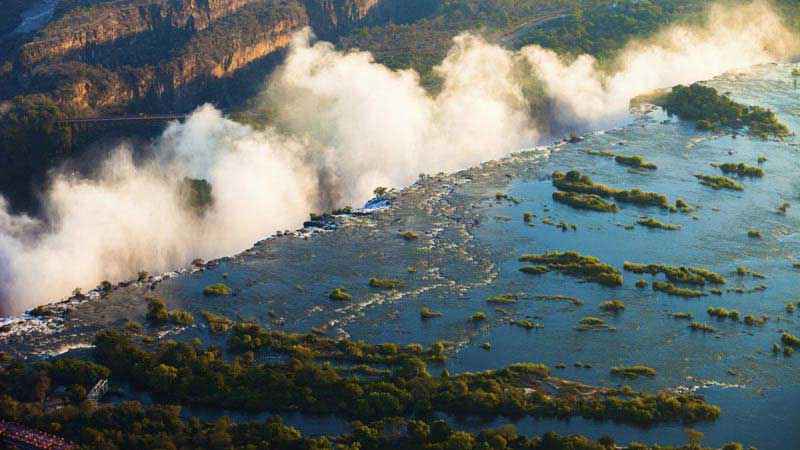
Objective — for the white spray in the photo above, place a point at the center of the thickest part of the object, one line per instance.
(343, 125)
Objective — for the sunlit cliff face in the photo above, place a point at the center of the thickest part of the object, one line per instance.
(343, 125)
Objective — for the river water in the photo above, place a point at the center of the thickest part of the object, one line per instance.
(468, 249)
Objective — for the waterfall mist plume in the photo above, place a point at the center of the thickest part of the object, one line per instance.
(341, 125)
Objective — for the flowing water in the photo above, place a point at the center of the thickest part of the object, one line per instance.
(468, 249)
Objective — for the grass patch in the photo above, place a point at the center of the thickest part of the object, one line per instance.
(477, 317)
(697, 326)
(534, 269)
(384, 283)
(612, 305)
(719, 182)
(742, 271)
(574, 300)
(651, 222)
(217, 324)
(219, 289)
(409, 235)
(589, 202)
(722, 313)
(574, 181)
(741, 169)
(683, 315)
(671, 289)
(634, 161)
(504, 299)
(690, 275)
(755, 234)
(633, 371)
(340, 294)
(573, 263)
(427, 313)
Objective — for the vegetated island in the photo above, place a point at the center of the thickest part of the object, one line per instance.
(711, 111)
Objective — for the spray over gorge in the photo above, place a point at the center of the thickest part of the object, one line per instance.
(343, 125)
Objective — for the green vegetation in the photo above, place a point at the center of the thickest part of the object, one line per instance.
(181, 317)
(722, 313)
(754, 234)
(790, 340)
(719, 182)
(525, 323)
(690, 275)
(781, 209)
(486, 346)
(477, 317)
(218, 289)
(384, 283)
(752, 320)
(534, 269)
(574, 181)
(575, 264)
(742, 271)
(634, 161)
(192, 375)
(789, 308)
(711, 110)
(651, 222)
(741, 169)
(575, 301)
(641, 283)
(527, 217)
(682, 206)
(409, 235)
(683, 315)
(697, 326)
(633, 371)
(427, 313)
(605, 153)
(504, 299)
(612, 305)
(217, 324)
(671, 289)
(592, 323)
(340, 294)
(590, 202)
(156, 310)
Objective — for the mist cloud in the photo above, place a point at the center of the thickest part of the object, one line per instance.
(341, 125)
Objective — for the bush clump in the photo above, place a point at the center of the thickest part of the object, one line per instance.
(384, 283)
(340, 294)
(671, 289)
(427, 313)
(409, 235)
(477, 317)
(181, 317)
(589, 202)
(217, 324)
(690, 275)
(634, 161)
(633, 371)
(156, 310)
(651, 222)
(219, 289)
(534, 269)
(741, 169)
(719, 182)
(612, 305)
(575, 264)
(697, 326)
(573, 181)
(755, 234)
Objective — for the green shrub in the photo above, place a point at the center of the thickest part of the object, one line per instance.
(340, 294)
(719, 182)
(181, 317)
(156, 310)
(650, 222)
(409, 235)
(477, 317)
(590, 202)
(219, 289)
(217, 324)
(741, 169)
(427, 313)
(634, 161)
(612, 305)
(534, 269)
(384, 283)
(633, 371)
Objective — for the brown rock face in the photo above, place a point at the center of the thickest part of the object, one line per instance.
(332, 17)
(118, 19)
